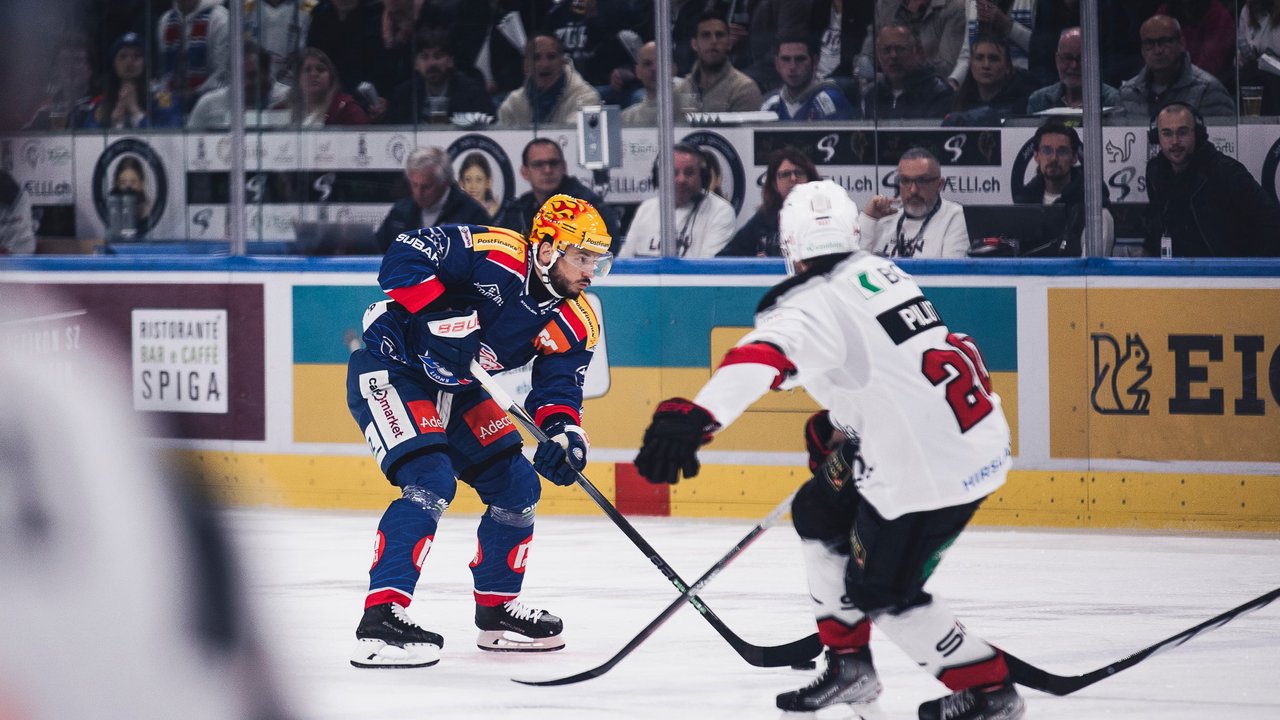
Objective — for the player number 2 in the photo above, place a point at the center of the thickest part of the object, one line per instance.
(968, 384)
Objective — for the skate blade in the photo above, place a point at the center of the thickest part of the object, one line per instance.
(380, 655)
(507, 641)
(840, 711)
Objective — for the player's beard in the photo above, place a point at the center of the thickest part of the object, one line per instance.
(561, 285)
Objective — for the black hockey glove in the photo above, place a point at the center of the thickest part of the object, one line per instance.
(564, 453)
(818, 433)
(452, 340)
(672, 439)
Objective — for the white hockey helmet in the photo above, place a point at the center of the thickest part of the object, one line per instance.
(818, 218)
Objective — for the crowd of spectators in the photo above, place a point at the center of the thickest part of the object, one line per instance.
(524, 62)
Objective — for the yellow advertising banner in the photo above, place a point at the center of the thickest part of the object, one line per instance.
(1165, 374)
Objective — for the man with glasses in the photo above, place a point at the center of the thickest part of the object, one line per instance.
(1203, 203)
(542, 166)
(906, 87)
(1060, 181)
(926, 226)
(801, 97)
(457, 294)
(1068, 91)
(1168, 76)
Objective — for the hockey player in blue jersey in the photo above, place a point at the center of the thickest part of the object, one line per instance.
(457, 293)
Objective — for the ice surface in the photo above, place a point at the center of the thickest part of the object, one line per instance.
(1067, 601)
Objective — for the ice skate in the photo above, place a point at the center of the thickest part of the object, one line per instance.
(387, 638)
(513, 627)
(993, 702)
(848, 678)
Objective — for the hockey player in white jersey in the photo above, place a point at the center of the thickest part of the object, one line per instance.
(909, 408)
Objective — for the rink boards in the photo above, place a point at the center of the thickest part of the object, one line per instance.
(1141, 394)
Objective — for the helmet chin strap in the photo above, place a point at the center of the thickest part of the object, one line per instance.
(544, 271)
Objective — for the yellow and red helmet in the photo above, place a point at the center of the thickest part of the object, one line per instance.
(567, 222)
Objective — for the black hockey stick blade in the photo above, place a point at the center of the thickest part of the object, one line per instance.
(791, 653)
(1028, 675)
(678, 603)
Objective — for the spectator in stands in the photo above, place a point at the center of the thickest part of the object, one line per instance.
(906, 87)
(590, 40)
(993, 90)
(280, 27)
(1068, 92)
(645, 112)
(758, 237)
(1059, 180)
(1118, 23)
(927, 226)
(317, 98)
(127, 103)
(542, 166)
(434, 198)
(436, 85)
(841, 28)
(1259, 34)
(476, 178)
(938, 24)
(193, 39)
(1169, 76)
(69, 104)
(1209, 32)
(1206, 203)
(17, 231)
(505, 43)
(704, 221)
(754, 29)
(802, 97)
(348, 31)
(266, 97)
(553, 91)
(715, 83)
(1007, 20)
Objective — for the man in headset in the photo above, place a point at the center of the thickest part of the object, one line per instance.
(1201, 202)
(705, 222)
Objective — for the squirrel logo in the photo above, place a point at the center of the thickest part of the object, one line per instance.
(1118, 377)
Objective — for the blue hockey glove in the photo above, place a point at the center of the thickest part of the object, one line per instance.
(451, 340)
(564, 453)
(671, 442)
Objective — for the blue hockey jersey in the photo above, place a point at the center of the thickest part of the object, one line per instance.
(489, 270)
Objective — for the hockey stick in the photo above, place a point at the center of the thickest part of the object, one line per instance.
(676, 604)
(792, 653)
(1027, 675)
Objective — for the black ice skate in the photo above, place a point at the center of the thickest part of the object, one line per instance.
(387, 638)
(993, 702)
(848, 678)
(512, 627)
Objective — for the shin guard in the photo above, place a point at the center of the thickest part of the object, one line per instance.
(932, 636)
(502, 548)
(841, 625)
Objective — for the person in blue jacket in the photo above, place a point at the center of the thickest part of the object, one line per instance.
(458, 293)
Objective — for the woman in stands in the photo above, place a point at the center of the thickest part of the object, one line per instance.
(993, 90)
(316, 99)
(127, 102)
(758, 237)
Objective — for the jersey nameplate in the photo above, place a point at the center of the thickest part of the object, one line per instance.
(909, 319)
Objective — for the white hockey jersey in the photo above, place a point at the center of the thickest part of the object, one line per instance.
(870, 347)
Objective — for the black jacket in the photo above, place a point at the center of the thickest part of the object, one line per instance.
(459, 209)
(926, 96)
(517, 214)
(1068, 243)
(465, 96)
(758, 237)
(1213, 208)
